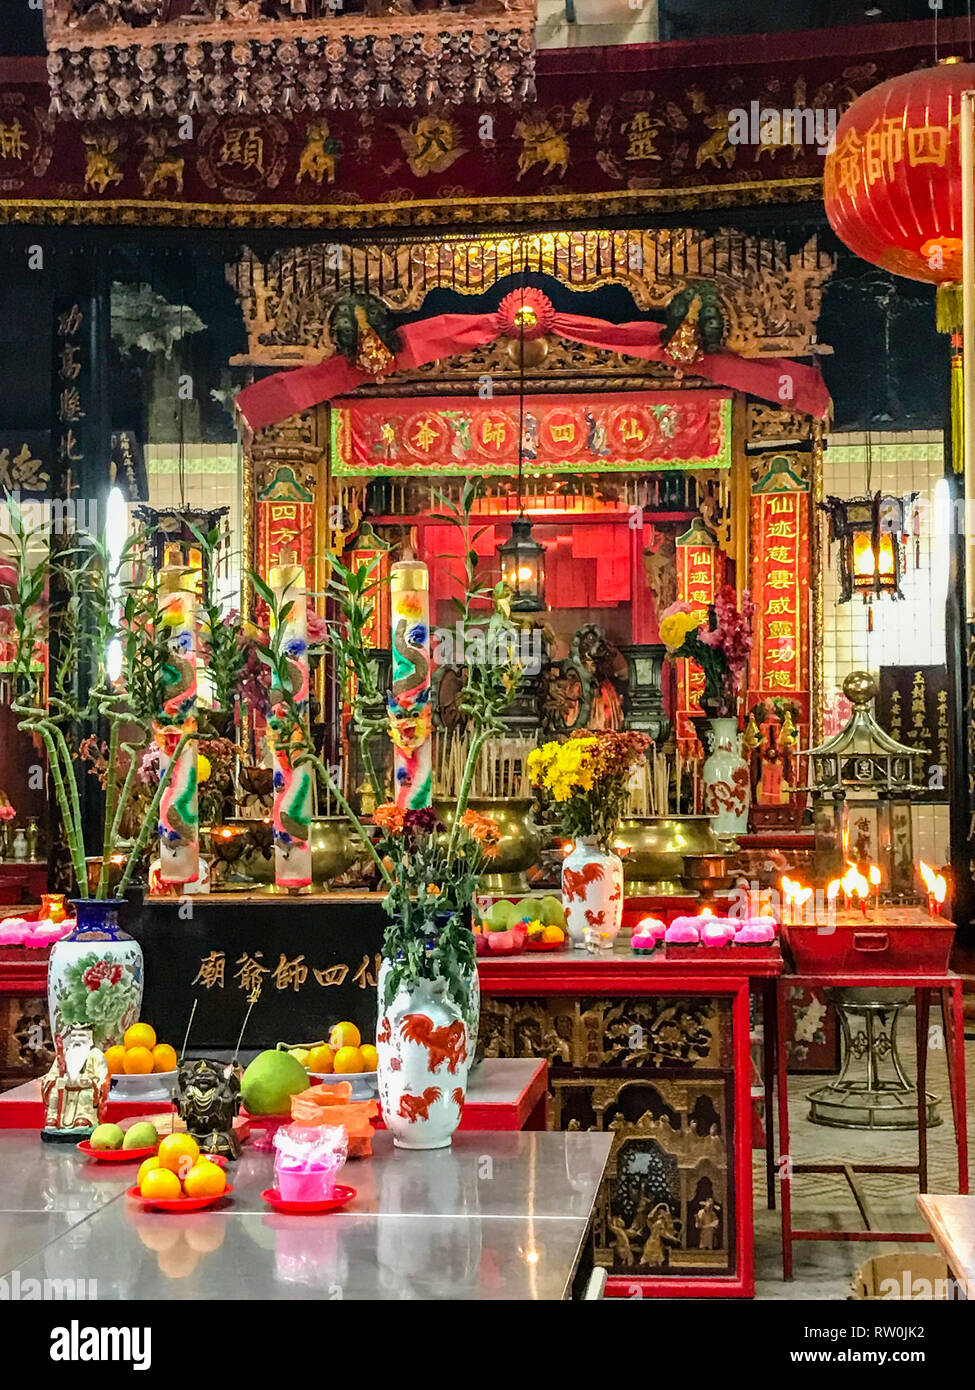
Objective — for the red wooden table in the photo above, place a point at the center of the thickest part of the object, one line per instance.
(948, 987)
(725, 971)
(503, 1095)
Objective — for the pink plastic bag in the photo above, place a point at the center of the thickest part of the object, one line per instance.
(308, 1160)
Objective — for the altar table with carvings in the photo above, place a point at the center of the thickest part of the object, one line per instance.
(656, 1050)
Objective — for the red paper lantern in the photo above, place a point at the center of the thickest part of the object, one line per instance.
(892, 181)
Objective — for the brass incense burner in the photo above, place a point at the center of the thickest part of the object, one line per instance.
(662, 855)
(333, 850)
(520, 845)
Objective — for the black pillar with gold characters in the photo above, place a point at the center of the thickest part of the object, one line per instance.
(81, 478)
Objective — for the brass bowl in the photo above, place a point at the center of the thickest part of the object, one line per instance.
(520, 845)
(654, 850)
(333, 848)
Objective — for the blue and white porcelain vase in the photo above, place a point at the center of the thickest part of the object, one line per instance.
(95, 974)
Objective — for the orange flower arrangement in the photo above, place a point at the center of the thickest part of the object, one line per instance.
(389, 817)
(484, 830)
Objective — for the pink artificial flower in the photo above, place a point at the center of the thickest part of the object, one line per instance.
(678, 607)
(8, 812)
(317, 628)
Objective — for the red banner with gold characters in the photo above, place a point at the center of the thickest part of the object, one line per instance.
(564, 434)
(780, 586)
(285, 521)
(700, 567)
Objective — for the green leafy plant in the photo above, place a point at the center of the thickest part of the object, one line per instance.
(90, 586)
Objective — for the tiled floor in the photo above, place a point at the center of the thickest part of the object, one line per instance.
(821, 1201)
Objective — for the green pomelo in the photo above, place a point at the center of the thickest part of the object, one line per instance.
(528, 910)
(141, 1136)
(551, 911)
(270, 1081)
(107, 1137)
(500, 915)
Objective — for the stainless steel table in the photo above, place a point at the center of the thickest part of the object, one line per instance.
(497, 1216)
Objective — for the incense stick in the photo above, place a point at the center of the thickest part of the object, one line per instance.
(188, 1027)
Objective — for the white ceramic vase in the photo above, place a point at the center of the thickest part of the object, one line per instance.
(727, 781)
(592, 892)
(425, 1044)
(94, 975)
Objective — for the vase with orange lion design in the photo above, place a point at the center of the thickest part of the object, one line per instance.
(727, 780)
(592, 894)
(425, 1044)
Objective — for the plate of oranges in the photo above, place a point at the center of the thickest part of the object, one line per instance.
(179, 1178)
(343, 1056)
(141, 1067)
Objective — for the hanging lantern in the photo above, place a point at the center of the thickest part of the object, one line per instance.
(872, 533)
(523, 568)
(892, 189)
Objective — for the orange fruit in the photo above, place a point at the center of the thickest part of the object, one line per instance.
(115, 1057)
(370, 1057)
(138, 1061)
(140, 1035)
(320, 1059)
(205, 1179)
(178, 1153)
(553, 934)
(148, 1165)
(160, 1182)
(348, 1059)
(344, 1035)
(164, 1057)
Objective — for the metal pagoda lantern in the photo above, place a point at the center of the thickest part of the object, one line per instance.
(862, 784)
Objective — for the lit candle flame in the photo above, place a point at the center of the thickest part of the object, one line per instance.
(832, 890)
(936, 884)
(875, 875)
(853, 882)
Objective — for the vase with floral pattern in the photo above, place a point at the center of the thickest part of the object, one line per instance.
(727, 780)
(95, 975)
(592, 893)
(425, 1043)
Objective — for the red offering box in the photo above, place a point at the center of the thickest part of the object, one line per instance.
(886, 939)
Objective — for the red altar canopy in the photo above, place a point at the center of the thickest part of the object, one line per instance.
(778, 380)
(562, 434)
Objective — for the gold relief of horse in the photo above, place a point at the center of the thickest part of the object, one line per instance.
(318, 158)
(541, 143)
(158, 166)
(102, 167)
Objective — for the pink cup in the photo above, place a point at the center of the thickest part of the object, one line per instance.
(305, 1184)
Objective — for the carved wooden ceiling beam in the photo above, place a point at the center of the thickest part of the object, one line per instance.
(109, 58)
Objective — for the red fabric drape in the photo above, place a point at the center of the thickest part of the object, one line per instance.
(778, 379)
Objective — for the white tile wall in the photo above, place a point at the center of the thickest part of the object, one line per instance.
(904, 632)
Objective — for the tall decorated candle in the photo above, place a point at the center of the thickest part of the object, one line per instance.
(179, 815)
(291, 815)
(410, 710)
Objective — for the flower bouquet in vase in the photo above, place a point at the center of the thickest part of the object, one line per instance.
(585, 780)
(720, 644)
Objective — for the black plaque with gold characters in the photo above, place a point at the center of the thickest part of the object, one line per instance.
(316, 960)
(912, 706)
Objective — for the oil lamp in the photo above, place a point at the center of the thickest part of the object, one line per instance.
(523, 568)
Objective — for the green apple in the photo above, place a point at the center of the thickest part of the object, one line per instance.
(107, 1137)
(141, 1136)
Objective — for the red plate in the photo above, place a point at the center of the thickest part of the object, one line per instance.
(177, 1204)
(343, 1195)
(114, 1155)
(545, 945)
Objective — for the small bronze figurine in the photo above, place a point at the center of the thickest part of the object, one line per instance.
(208, 1098)
(75, 1089)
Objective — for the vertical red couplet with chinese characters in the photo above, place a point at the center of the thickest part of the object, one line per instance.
(780, 565)
(700, 570)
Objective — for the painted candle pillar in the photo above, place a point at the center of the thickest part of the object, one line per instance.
(179, 814)
(410, 710)
(291, 816)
